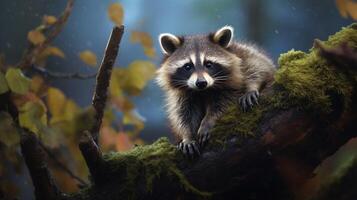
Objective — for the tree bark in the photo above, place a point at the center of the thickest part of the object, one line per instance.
(103, 79)
(36, 161)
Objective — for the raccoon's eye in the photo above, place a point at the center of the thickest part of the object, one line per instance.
(188, 66)
(208, 64)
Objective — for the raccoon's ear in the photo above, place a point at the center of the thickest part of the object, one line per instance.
(169, 43)
(223, 36)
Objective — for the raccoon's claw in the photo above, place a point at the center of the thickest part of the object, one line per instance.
(203, 138)
(189, 148)
(248, 100)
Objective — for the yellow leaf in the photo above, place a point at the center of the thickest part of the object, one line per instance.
(145, 40)
(49, 19)
(342, 8)
(137, 76)
(48, 51)
(56, 102)
(88, 57)
(133, 79)
(352, 9)
(36, 37)
(141, 37)
(123, 103)
(32, 115)
(150, 52)
(36, 83)
(17, 82)
(116, 13)
(115, 82)
(61, 108)
(8, 133)
(3, 84)
(71, 109)
(53, 51)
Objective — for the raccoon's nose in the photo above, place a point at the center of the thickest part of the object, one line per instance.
(201, 83)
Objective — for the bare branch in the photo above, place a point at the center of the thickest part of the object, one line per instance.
(91, 154)
(103, 79)
(57, 75)
(35, 159)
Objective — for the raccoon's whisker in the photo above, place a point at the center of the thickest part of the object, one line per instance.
(179, 83)
(218, 73)
(221, 77)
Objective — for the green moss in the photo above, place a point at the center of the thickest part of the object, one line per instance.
(133, 173)
(308, 80)
(347, 34)
(159, 158)
(236, 123)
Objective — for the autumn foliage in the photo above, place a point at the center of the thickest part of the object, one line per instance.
(56, 119)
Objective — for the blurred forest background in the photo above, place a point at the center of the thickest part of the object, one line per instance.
(136, 114)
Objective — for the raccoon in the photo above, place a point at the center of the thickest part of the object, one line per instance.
(202, 75)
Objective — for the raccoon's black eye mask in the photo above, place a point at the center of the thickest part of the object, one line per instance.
(188, 66)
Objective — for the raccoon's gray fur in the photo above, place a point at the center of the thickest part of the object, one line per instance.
(202, 75)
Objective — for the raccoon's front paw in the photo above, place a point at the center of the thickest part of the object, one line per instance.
(203, 136)
(189, 148)
(248, 100)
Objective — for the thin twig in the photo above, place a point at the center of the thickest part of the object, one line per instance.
(58, 75)
(103, 78)
(61, 165)
(33, 51)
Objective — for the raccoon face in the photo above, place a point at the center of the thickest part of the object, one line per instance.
(197, 62)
